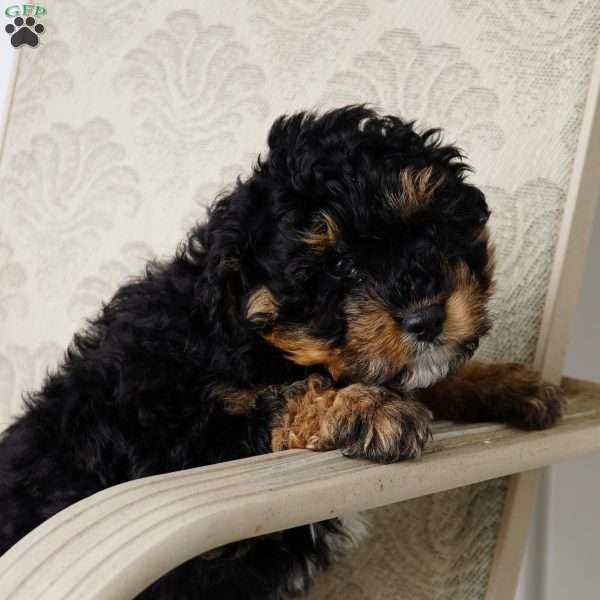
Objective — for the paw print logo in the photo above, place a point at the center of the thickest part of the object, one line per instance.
(24, 31)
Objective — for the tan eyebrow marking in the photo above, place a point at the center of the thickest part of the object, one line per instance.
(325, 237)
(262, 307)
(416, 189)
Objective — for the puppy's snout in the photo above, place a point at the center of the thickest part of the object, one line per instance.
(426, 323)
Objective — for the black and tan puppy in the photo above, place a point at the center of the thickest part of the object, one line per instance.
(330, 301)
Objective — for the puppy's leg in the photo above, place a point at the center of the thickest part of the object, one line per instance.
(506, 392)
(367, 421)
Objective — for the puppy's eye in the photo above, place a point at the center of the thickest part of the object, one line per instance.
(343, 268)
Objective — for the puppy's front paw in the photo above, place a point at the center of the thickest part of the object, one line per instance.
(541, 408)
(304, 403)
(539, 405)
(374, 423)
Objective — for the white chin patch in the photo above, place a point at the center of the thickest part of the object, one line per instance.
(431, 364)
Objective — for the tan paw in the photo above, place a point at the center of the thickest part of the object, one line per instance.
(374, 423)
(304, 404)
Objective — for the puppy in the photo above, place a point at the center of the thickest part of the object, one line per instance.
(330, 301)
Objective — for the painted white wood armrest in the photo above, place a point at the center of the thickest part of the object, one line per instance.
(117, 542)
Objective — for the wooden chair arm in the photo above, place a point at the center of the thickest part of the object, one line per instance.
(114, 544)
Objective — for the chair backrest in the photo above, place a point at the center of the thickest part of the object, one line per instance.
(126, 121)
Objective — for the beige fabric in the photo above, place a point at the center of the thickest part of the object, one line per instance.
(433, 548)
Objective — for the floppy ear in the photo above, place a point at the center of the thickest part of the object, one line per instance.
(222, 242)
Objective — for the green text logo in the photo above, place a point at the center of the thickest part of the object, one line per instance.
(25, 10)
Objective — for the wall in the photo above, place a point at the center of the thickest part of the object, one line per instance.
(573, 550)
(583, 355)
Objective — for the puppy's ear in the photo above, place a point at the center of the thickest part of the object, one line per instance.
(223, 242)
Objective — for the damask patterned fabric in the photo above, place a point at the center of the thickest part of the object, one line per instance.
(129, 117)
(438, 547)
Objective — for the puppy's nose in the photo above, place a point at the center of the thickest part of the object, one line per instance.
(426, 323)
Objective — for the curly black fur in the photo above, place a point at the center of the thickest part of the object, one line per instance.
(138, 391)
